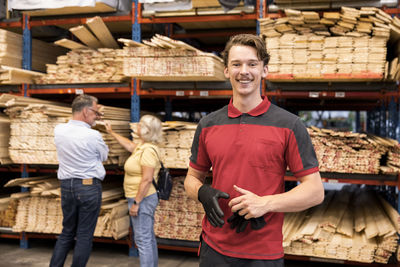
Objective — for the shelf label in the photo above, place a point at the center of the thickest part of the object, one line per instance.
(79, 91)
(313, 94)
(333, 181)
(340, 94)
(179, 93)
(203, 93)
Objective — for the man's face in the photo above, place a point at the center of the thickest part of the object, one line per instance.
(93, 114)
(245, 70)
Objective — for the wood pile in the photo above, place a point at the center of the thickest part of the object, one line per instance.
(39, 210)
(346, 45)
(32, 123)
(8, 211)
(11, 75)
(85, 66)
(179, 217)
(351, 224)
(4, 139)
(176, 144)
(166, 59)
(348, 152)
(11, 51)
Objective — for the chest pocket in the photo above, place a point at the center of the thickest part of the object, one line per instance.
(267, 154)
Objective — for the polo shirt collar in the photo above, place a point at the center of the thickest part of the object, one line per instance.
(79, 123)
(260, 109)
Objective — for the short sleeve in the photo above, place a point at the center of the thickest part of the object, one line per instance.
(149, 158)
(300, 153)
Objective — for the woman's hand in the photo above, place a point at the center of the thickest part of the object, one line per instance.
(108, 127)
(134, 210)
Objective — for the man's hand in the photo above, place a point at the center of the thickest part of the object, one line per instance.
(208, 197)
(249, 204)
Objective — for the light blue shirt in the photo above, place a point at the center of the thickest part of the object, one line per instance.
(80, 151)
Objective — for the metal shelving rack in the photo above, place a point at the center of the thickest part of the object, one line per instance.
(136, 89)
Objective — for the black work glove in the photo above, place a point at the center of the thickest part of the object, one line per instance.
(208, 197)
(239, 222)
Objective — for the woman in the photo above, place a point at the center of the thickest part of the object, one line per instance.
(140, 169)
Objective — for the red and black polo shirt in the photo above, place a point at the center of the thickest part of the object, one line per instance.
(251, 150)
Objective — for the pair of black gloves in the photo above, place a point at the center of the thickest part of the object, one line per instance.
(209, 196)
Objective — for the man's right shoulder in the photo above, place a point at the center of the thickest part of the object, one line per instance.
(215, 117)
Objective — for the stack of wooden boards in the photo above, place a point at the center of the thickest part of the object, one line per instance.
(176, 144)
(348, 152)
(350, 45)
(98, 59)
(351, 224)
(198, 8)
(8, 211)
(165, 59)
(32, 123)
(11, 51)
(4, 139)
(40, 209)
(11, 75)
(180, 217)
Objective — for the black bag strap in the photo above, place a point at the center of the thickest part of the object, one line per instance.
(162, 166)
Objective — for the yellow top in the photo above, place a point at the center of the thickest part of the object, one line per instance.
(143, 155)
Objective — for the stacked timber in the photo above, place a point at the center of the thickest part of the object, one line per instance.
(180, 217)
(85, 66)
(346, 45)
(351, 224)
(176, 144)
(11, 51)
(32, 123)
(39, 210)
(11, 75)
(94, 60)
(8, 211)
(4, 139)
(165, 59)
(348, 152)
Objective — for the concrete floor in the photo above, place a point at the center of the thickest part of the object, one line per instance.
(105, 255)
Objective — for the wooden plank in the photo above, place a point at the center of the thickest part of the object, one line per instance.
(101, 31)
(69, 44)
(131, 43)
(86, 36)
(72, 10)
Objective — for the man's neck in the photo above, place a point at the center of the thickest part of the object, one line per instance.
(247, 103)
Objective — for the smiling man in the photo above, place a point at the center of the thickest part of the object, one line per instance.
(249, 144)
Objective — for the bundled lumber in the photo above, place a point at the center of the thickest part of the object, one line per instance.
(167, 59)
(376, 242)
(11, 75)
(348, 152)
(85, 66)
(180, 217)
(8, 211)
(32, 123)
(11, 51)
(176, 144)
(39, 210)
(4, 139)
(350, 45)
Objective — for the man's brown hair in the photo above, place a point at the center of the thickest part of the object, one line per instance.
(247, 40)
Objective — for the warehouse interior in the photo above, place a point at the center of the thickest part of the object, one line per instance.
(335, 64)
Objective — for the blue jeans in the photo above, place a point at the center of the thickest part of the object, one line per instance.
(81, 206)
(143, 230)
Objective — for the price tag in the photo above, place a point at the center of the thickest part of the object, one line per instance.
(340, 94)
(179, 93)
(79, 91)
(313, 94)
(203, 93)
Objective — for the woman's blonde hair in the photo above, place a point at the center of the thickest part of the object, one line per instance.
(150, 129)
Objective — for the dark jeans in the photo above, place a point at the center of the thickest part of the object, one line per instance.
(210, 257)
(81, 206)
